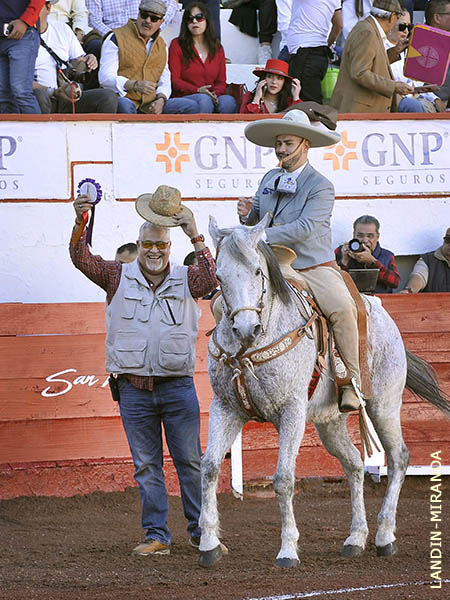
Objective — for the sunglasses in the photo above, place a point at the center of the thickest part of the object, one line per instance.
(149, 245)
(153, 18)
(199, 17)
(404, 26)
(446, 239)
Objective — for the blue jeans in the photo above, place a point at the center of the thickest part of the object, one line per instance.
(17, 60)
(199, 103)
(174, 403)
(410, 105)
(126, 106)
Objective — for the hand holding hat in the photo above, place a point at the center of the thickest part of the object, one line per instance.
(161, 207)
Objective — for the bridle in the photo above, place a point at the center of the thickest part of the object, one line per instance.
(260, 305)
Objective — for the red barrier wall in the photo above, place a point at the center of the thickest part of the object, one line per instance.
(60, 432)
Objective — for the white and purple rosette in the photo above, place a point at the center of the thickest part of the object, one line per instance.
(91, 188)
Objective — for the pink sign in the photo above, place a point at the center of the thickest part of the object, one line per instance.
(428, 55)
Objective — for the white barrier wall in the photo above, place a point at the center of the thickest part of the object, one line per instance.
(396, 170)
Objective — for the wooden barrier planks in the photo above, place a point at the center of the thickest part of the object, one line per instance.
(54, 400)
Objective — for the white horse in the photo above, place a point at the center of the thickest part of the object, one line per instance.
(260, 307)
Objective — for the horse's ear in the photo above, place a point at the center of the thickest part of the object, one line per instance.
(214, 230)
(259, 228)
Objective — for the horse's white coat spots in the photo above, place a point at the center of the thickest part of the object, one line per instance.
(319, 593)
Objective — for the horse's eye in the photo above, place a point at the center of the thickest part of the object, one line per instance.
(258, 272)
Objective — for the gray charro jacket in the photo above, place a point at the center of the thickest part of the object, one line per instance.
(302, 219)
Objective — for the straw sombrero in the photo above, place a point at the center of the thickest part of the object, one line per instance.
(264, 132)
(160, 207)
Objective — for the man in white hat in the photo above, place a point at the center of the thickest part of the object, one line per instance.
(301, 202)
(151, 333)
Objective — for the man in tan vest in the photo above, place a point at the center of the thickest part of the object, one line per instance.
(134, 62)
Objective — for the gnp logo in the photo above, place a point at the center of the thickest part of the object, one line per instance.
(342, 151)
(8, 145)
(172, 154)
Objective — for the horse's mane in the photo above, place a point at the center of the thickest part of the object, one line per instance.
(239, 250)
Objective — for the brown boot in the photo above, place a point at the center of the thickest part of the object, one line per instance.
(150, 548)
(349, 400)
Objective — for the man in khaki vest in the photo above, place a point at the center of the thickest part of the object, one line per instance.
(151, 332)
(134, 62)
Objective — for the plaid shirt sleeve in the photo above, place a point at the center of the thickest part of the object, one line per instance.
(104, 273)
(388, 275)
(202, 277)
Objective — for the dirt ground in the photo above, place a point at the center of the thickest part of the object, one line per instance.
(79, 548)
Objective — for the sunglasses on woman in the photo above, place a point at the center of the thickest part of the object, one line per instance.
(404, 26)
(149, 245)
(153, 18)
(199, 17)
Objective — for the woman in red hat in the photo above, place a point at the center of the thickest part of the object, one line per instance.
(275, 91)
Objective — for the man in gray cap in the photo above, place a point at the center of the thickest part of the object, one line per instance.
(365, 82)
(301, 202)
(134, 62)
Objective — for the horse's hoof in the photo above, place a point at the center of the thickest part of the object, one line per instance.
(287, 563)
(387, 550)
(351, 551)
(211, 557)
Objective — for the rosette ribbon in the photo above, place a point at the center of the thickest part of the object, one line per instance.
(93, 189)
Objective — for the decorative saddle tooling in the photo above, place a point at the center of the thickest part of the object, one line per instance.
(316, 327)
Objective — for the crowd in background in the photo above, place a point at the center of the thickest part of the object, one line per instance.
(108, 56)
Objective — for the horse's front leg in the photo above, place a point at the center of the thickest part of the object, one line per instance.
(224, 426)
(291, 430)
(335, 438)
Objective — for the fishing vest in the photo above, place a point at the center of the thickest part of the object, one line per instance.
(135, 63)
(438, 274)
(152, 333)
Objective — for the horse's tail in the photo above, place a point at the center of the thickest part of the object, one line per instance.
(421, 379)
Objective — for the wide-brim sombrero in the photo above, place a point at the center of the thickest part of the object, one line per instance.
(264, 132)
(159, 208)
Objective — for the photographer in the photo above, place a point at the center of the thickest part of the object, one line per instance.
(368, 254)
(59, 92)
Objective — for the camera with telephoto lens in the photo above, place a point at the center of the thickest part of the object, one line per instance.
(356, 246)
(71, 74)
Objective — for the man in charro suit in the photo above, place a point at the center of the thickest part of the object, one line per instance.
(301, 202)
(365, 82)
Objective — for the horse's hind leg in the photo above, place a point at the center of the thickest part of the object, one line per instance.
(388, 427)
(291, 430)
(223, 429)
(335, 438)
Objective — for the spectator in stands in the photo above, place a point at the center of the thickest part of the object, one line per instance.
(106, 15)
(365, 82)
(423, 101)
(197, 67)
(73, 13)
(19, 45)
(61, 44)
(314, 27)
(214, 9)
(352, 12)
(126, 253)
(437, 14)
(431, 272)
(134, 62)
(366, 229)
(257, 18)
(275, 91)
(284, 13)
(151, 331)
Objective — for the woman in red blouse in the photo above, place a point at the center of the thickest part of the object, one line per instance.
(275, 91)
(197, 67)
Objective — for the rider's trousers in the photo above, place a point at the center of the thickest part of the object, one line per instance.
(333, 297)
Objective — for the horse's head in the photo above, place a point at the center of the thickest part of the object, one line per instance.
(242, 273)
